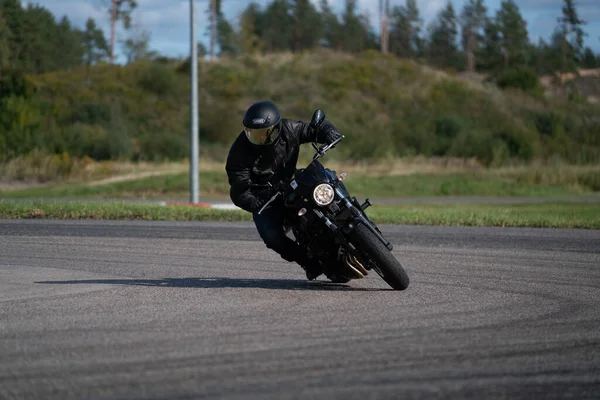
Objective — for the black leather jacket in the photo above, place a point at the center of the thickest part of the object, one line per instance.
(250, 168)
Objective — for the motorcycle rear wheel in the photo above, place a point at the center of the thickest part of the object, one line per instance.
(385, 264)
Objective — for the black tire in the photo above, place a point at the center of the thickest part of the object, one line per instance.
(389, 267)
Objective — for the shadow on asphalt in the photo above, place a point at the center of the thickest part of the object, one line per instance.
(218, 283)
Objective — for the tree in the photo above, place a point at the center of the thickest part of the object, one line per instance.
(137, 46)
(40, 41)
(473, 19)
(95, 48)
(572, 41)
(489, 54)
(14, 17)
(513, 33)
(68, 50)
(308, 26)
(250, 41)
(442, 49)
(120, 10)
(405, 30)
(354, 28)
(5, 37)
(226, 37)
(589, 59)
(220, 31)
(214, 8)
(332, 35)
(279, 24)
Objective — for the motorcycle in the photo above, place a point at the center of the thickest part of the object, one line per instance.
(332, 226)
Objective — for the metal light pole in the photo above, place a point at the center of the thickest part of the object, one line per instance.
(194, 173)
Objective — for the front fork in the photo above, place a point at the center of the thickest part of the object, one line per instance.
(358, 217)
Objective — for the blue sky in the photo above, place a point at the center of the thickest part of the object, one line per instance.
(168, 20)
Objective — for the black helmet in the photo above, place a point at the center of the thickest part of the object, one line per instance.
(262, 122)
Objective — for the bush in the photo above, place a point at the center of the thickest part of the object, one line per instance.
(521, 77)
(518, 144)
(549, 123)
(19, 127)
(446, 131)
(14, 83)
(161, 147)
(91, 113)
(160, 79)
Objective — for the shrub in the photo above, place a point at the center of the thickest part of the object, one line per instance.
(91, 113)
(19, 127)
(518, 144)
(163, 146)
(549, 123)
(14, 83)
(521, 77)
(160, 79)
(446, 130)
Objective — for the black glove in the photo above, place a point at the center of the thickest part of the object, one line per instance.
(327, 133)
(261, 198)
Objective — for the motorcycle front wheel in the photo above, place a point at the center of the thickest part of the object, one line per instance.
(383, 261)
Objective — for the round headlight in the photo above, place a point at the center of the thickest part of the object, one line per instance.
(323, 194)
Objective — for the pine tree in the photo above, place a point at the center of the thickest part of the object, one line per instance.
(250, 41)
(473, 19)
(278, 35)
(489, 54)
(226, 37)
(68, 51)
(442, 50)
(120, 11)
(572, 41)
(14, 17)
(5, 37)
(308, 28)
(355, 34)
(95, 48)
(222, 34)
(332, 35)
(589, 59)
(38, 54)
(405, 30)
(513, 32)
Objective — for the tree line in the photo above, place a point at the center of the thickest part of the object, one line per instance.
(472, 39)
(33, 41)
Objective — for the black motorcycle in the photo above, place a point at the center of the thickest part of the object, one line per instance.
(332, 226)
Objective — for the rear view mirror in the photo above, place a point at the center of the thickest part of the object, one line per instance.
(317, 118)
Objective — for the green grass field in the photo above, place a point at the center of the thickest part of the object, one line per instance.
(214, 184)
(549, 215)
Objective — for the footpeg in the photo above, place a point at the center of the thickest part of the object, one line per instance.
(366, 204)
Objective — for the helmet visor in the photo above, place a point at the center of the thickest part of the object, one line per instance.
(262, 136)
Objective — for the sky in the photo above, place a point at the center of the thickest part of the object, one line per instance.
(168, 21)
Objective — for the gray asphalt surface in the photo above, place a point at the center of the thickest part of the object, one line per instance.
(203, 310)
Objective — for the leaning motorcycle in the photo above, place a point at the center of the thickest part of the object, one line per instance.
(332, 226)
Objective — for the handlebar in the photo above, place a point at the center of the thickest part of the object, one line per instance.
(325, 148)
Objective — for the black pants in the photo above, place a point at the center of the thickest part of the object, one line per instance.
(270, 228)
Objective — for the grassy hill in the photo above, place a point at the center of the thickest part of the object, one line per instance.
(387, 107)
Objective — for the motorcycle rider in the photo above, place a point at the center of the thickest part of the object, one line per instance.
(263, 156)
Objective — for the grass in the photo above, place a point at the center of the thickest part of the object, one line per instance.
(548, 215)
(214, 184)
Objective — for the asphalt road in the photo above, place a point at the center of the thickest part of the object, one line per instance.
(203, 310)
